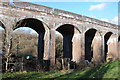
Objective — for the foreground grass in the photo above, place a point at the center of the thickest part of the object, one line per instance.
(108, 70)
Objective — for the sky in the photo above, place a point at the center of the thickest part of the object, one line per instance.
(107, 11)
(99, 9)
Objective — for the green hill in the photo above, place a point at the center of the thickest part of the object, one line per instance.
(107, 71)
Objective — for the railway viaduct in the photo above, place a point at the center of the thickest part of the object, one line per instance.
(84, 38)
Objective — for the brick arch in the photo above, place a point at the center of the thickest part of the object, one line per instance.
(32, 17)
(108, 32)
(90, 29)
(106, 38)
(61, 24)
(40, 28)
(35, 18)
(89, 36)
(68, 32)
(31, 23)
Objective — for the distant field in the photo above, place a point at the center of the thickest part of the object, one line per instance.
(108, 70)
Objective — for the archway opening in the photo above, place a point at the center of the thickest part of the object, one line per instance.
(106, 38)
(37, 31)
(25, 42)
(58, 50)
(67, 32)
(89, 36)
(38, 26)
(59, 45)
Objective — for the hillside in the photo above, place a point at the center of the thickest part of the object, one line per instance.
(108, 70)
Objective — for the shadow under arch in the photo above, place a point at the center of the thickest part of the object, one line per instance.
(89, 36)
(118, 38)
(119, 46)
(67, 31)
(39, 27)
(2, 25)
(90, 29)
(75, 26)
(106, 38)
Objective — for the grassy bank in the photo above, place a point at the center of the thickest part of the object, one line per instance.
(108, 70)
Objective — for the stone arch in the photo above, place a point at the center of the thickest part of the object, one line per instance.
(30, 22)
(61, 24)
(106, 38)
(43, 32)
(33, 17)
(89, 37)
(67, 32)
(70, 37)
(91, 28)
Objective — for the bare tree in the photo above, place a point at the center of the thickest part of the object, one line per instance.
(9, 37)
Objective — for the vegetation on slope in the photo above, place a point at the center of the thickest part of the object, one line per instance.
(107, 70)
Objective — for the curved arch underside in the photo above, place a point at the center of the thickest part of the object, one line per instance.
(39, 28)
(106, 38)
(119, 39)
(107, 35)
(89, 35)
(32, 23)
(67, 31)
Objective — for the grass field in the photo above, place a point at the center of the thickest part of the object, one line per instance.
(108, 70)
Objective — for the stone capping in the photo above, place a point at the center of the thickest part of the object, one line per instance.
(32, 6)
(67, 14)
(83, 18)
